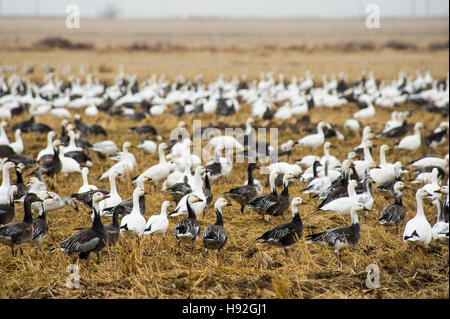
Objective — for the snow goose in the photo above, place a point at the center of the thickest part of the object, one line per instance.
(437, 137)
(394, 214)
(133, 224)
(430, 161)
(16, 233)
(433, 185)
(87, 241)
(148, 146)
(126, 162)
(318, 184)
(411, 142)
(114, 198)
(105, 148)
(314, 140)
(439, 231)
(5, 188)
(340, 237)
(215, 236)
(226, 142)
(361, 166)
(196, 184)
(188, 229)
(126, 206)
(286, 234)
(220, 166)
(3, 136)
(245, 193)
(158, 224)
(366, 113)
(351, 126)
(72, 144)
(17, 146)
(267, 204)
(366, 135)
(159, 171)
(332, 160)
(418, 230)
(68, 164)
(342, 205)
(386, 172)
(86, 186)
(49, 149)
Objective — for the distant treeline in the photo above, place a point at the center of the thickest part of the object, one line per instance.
(161, 46)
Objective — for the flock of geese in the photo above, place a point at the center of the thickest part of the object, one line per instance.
(341, 186)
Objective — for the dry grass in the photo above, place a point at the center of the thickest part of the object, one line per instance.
(152, 268)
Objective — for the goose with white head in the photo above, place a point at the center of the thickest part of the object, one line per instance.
(287, 234)
(88, 241)
(215, 236)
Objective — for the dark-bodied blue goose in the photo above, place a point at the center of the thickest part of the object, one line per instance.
(340, 237)
(284, 195)
(16, 233)
(7, 211)
(395, 213)
(287, 234)
(188, 229)
(40, 227)
(267, 204)
(215, 236)
(87, 241)
(246, 193)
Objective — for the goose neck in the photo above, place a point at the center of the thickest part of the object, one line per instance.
(28, 217)
(419, 201)
(219, 216)
(6, 179)
(136, 208)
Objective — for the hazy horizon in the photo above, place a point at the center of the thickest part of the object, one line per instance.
(231, 9)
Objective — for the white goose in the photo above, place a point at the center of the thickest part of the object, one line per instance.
(429, 161)
(148, 147)
(158, 224)
(314, 140)
(3, 136)
(361, 166)
(386, 172)
(332, 160)
(49, 149)
(86, 186)
(343, 205)
(418, 230)
(126, 162)
(159, 171)
(68, 164)
(106, 148)
(17, 146)
(114, 197)
(196, 184)
(366, 113)
(133, 224)
(5, 188)
(440, 229)
(411, 142)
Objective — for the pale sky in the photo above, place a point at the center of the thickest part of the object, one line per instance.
(228, 8)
